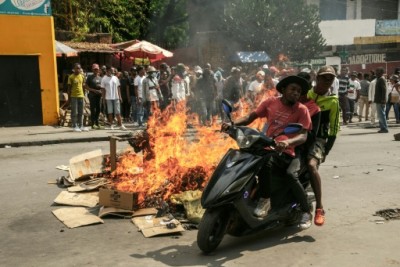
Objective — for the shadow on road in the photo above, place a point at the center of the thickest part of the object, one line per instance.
(230, 249)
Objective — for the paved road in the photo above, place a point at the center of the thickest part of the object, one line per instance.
(354, 188)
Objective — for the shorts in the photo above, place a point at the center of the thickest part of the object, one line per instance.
(113, 106)
(317, 150)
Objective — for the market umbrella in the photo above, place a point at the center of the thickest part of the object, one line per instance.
(64, 50)
(144, 49)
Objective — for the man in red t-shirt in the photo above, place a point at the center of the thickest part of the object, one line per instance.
(280, 111)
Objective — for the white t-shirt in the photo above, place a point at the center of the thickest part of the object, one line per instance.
(390, 89)
(110, 84)
(335, 87)
(139, 83)
(255, 87)
(354, 86)
(178, 88)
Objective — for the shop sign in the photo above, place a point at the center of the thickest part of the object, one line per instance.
(367, 58)
(25, 7)
(387, 27)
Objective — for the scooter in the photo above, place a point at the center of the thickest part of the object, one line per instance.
(230, 196)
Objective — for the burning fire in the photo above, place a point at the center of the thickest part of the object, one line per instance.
(176, 160)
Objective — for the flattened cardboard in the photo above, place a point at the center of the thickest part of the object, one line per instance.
(145, 212)
(77, 199)
(117, 199)
(111, 211)
(86, 164)
(151, 226)
(76, 217)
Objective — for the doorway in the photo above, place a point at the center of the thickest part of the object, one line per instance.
(20, 92)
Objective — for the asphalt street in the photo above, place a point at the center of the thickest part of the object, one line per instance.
(360, 177)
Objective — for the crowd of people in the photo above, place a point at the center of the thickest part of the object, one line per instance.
(133, 96)
(367, 96)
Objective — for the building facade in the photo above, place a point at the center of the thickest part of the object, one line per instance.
(361, 34)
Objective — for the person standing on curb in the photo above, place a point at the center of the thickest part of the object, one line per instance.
(380, 100)
(140, 95)
(76, 95)
(353, 95)
(111, 93)
(343, 90)
(93, 83)
(363, 100)
(393, 98)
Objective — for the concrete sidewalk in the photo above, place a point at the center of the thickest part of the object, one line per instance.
(44, 135)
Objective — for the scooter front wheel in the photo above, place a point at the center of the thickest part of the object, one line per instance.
(212, 229)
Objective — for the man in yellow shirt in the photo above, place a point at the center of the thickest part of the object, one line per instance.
(76, 95)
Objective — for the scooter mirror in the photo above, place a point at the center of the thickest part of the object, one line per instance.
(293, 128)
(227, 107)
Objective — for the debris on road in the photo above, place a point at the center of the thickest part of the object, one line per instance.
(151, 226)
(78, 199)
(76, 217)
(89, 185)
(388, 214)
(62, 167)
(84, 165)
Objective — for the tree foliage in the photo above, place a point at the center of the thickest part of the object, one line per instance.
(162, 21)
(276, 26)
(169, 24)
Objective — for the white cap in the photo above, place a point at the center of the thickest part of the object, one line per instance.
(265, 66)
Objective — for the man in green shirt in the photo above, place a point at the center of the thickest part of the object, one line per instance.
(326, 135)
(76, 95)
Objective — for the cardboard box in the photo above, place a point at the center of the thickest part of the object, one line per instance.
(117, 199)
(86, 164)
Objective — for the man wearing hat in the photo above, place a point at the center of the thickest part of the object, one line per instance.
(280, 111)
(326, 135)
(152, 89)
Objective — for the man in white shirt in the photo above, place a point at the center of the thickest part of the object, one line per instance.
(140, 94)
(110, 89)
(353, 93)
(255, 88)
(371, 96)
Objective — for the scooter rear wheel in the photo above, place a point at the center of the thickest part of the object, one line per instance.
(212, 229)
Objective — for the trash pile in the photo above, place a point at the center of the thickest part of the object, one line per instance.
(91, 197)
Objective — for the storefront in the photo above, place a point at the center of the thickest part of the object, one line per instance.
(369, 62)
(28, 79)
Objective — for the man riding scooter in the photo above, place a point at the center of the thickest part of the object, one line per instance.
(281, 111)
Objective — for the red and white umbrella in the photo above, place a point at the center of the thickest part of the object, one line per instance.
(144, 49)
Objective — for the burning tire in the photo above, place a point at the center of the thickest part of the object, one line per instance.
(212, 229)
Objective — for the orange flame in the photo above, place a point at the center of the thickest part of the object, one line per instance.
(180, 159)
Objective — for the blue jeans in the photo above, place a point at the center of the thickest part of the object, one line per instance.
(139, 112)
(396, 110)
(133, 108)
(77, 111)
(380, 111)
